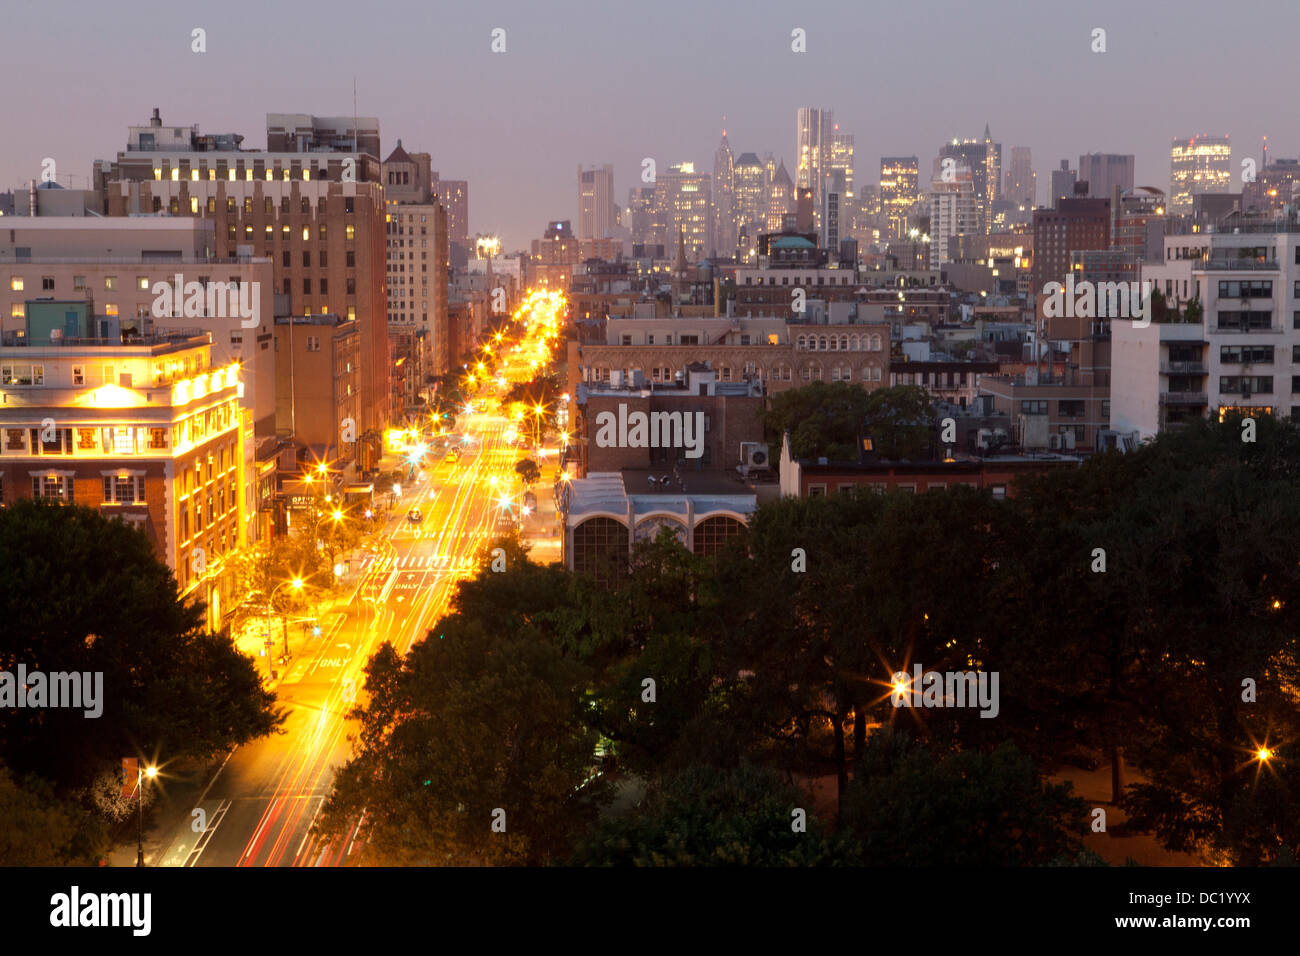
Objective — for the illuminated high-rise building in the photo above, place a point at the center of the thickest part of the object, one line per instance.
(684, 199)
(1022, 182)
(454, 196)
(814, 129)
(780, 198)
(595, 201)
(954, 211)
(841, 160)
(749, 191)
(984, 158)
(899, 191)
(1200, 164)
(724, 200)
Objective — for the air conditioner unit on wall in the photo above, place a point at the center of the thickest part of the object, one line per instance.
(755, 455)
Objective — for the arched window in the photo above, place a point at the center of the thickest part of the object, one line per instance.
(712, 534)
(600, 549)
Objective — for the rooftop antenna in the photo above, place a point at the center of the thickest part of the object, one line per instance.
(354, 112)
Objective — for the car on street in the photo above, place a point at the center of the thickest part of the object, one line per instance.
(414, 516)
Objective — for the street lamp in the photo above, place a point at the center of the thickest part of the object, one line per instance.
(140, 774)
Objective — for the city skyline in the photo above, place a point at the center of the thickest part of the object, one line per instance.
(515, 192)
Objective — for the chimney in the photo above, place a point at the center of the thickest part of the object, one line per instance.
(156, 120)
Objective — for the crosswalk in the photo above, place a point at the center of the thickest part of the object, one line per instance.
(444, 562)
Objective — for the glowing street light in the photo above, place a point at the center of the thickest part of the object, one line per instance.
(141, 773)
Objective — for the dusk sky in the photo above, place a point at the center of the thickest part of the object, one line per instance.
(587, 82)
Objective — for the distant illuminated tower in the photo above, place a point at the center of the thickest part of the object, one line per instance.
(749, 197)
(841, 161)
(1022, 182)
(1201, 164)
(954, 211)
(813, 133)
(780, 198)
(899, 191)
(724, 199)
(595, 201)
(683, 197)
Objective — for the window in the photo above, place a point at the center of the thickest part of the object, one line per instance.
(816, 491)
(1070, 408)
(78, 375)
(1033, 407)
(79, 283)
(86, 439)
(306, 286)
(1253, 320)
(313, 343)
(1245, 385)
(1239, 354)
(124, 489)
(351, 260)
(22, 374)
(110, 283)
(14, 439)
(1245, 289)
(47, 283)
(999, 491)
(52, 487)
(16, 283)
(351, 231)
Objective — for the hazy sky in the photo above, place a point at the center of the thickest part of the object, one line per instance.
(594, 82)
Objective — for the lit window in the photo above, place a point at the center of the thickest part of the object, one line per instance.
(16, 284)
(351, 231)
(157, 173)
(142, 282)
(176, 174)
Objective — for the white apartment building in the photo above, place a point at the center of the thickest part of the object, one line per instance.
(1243, 354)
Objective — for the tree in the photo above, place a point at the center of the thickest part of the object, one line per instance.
(900, 422)
(86, 594)
(823, 419)
(911, 806)
(39, 829)
(477, 719)
(1181, 649)
(528, 471)
(704, 816)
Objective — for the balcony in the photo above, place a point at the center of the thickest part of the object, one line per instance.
(1184, 398)
(1233, 264)
(1184, 368)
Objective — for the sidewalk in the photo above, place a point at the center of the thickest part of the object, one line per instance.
(541, 529)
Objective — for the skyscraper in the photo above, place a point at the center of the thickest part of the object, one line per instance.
(1201, 164)
(724, 209)
(899, 191)
(1022, 181)
(841, 159)
(780, 198)
(813, 136)
(1063, 181)
(984, 158)
(595, 201)
(749, 196)
(1101, 171)
(954, 211)
(683, 196)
